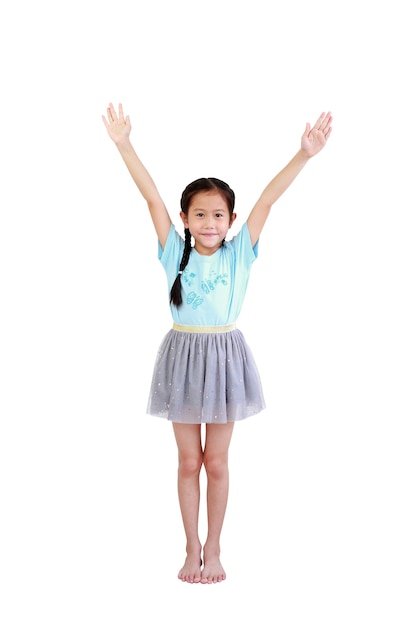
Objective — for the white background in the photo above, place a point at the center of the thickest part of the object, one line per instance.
(321, 520)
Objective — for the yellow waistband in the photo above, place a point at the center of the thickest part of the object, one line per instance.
(203, 329)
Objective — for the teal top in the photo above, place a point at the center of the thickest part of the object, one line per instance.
(213, 287)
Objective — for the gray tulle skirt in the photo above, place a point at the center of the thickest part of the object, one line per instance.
(205, 378)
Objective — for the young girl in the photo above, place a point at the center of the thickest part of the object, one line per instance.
(204, 371)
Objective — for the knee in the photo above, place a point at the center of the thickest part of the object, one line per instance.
(190, 465)
(216, 466)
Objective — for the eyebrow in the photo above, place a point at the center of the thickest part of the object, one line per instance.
(209, 210)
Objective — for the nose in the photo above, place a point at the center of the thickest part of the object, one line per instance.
(209, 221)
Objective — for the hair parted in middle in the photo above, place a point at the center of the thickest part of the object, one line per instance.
(201, 184)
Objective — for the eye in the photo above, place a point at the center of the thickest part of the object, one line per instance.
(219, 215)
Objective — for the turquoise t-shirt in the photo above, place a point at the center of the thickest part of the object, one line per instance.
(213, 287)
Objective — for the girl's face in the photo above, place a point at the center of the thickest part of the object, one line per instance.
(208, 220)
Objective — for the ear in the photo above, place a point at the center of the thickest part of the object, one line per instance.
(232, 219)
(184, 219)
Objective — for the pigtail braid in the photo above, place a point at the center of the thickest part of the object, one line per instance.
(175, 295)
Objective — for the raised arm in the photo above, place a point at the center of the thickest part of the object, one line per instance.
(312, 141)
(119, 127)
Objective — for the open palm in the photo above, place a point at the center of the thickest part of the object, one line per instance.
(314, 139)
(118, 126)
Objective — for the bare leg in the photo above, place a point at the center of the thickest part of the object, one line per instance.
(215, 458)
(190, 458)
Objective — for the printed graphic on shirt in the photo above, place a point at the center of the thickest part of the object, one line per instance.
(207, 286)
(194, 299)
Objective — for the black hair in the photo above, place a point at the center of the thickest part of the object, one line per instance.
(201, 184)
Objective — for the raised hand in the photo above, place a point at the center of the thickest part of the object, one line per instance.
(314, 139)
(118, 126)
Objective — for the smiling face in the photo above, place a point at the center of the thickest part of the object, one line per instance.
(208, 219)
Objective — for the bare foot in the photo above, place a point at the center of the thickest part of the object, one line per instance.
(191, 570)
(213, 571)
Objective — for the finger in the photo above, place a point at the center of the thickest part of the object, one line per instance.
(121, 111)
(111, 113)
(319, 122)
(325, 120)
(306, 131)
(328, 120)
(327, 132)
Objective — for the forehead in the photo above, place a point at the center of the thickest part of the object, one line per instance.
(208, 200)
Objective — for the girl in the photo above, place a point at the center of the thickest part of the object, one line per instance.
(204, 371)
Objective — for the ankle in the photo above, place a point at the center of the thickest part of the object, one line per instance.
(193, 548)
(211, 549)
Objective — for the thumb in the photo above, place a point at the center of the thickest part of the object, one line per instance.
(307, 131)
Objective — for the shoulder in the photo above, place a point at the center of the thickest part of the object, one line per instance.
(173, 244)
(241, 243)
